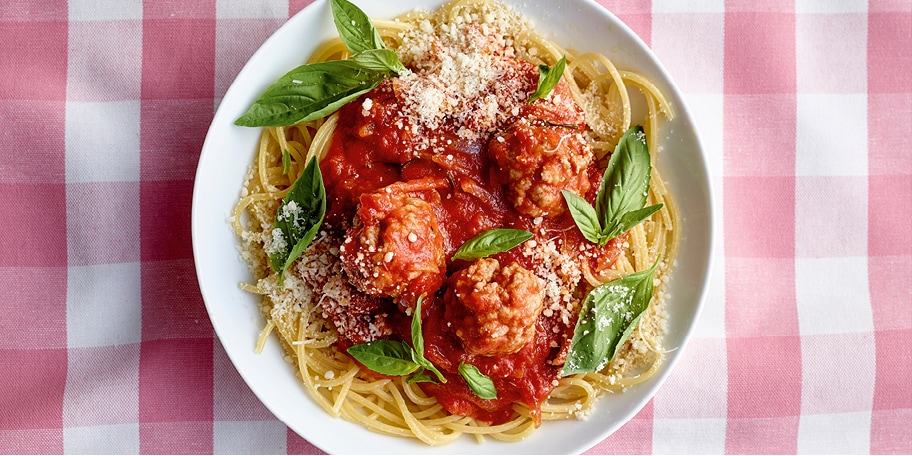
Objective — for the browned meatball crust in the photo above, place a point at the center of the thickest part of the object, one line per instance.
(395, 247)
(537, 160)
(492, 309)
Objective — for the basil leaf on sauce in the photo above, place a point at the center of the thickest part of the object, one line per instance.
(355, 29)
(609, 315)
(298, 219)
(388, 357)
(391, 357)
(478, 383)
(309, 92)
(418, 342)
(421, 376)
(490, 242)
(379, 60)
(548, 77)
(620, 200)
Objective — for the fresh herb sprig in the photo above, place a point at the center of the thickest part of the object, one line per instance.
(298, 219)
(619, 204)
(548, 77)
(397, 358)
(390, 357)
(480, 384)
(418, 342)
(315, 90)
(490, 242)
(384, 356)
(609, 314)
(355, 28)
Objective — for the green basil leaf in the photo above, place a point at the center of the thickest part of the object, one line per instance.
(286, 161)
(318, 89)
(491, 242)
(584, 215)
(418, 343)
(608, 316)
(421, 376)
(417, 334)
(423, 362)
(548, 77)
(625, 182)
(631, 219)
(355, 29)
(311, 92)
(388, 357)
(379, 60)
(479, 383)
(298, 218)
(624, 189)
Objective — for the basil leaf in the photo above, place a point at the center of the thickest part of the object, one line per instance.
(355, 29)
(286, 161)
(625, 182)
(417, 335)
(491, 242)
(318, 89)
(584, 215)
(631, 219)
(423, 362)
(620, 200)
(388, 357)
(608, 316)
(298, 218)
(379, 60)
(548, 77)
(310, 92)
(479, 383)
(421, 377)
(418, 343)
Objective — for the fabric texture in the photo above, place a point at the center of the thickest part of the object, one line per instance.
(804, 344)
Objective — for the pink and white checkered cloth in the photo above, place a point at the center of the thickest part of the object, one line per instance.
(805, 343)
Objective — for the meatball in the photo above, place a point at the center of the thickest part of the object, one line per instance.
(537, 160)
(357, 317)
(492, 310)
(395, 247)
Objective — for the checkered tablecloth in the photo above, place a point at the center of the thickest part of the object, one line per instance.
(804, 344)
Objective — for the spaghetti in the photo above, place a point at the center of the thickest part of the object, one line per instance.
(315, 314)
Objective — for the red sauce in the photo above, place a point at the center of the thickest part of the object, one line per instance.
(369, 152)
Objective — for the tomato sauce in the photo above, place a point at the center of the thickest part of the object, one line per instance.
(373, 149)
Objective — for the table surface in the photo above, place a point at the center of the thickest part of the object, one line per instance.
(804, 344)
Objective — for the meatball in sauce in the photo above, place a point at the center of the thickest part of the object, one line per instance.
(537, 161)
(492, 308)
(395, 247)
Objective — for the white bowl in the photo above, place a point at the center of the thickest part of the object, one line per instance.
(229, 149)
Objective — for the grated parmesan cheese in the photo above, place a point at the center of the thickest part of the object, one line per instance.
(464, 73)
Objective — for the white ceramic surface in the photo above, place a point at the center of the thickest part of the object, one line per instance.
(228, 150)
